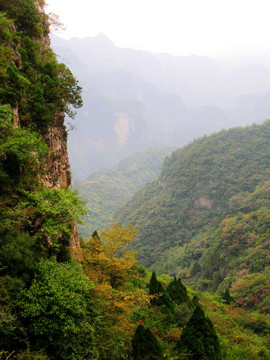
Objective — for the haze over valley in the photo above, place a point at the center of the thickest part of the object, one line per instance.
(135, 99)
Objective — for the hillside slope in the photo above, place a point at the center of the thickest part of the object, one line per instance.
(109, 188)
(177, 215)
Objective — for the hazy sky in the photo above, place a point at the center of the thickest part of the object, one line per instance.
(179, 27)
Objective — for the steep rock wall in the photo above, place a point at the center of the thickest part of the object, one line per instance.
(56, 168)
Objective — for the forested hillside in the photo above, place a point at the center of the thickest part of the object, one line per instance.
(65, 299)
(201, 219)
(109, 188)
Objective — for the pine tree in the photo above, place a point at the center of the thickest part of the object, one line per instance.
(199, 340)
(156, 288)
(227, 297)
(154, 284)
(177, 291)
(145, 345)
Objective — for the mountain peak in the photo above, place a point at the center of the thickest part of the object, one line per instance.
(102, 37)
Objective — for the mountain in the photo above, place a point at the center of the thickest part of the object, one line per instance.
(181, 216)
(117, 129)
(198, 80)
(63, 299)
(109, 188)
(134, 99)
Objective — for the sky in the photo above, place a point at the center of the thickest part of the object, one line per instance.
(177, 27)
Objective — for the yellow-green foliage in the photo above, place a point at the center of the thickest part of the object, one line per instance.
(243, 334)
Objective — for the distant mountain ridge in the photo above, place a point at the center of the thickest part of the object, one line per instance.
(134, 99)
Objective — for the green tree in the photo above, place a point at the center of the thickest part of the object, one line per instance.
(227, 297)
(21, 152)
(177, 291)
(199, 340)
(56, 310)
(160, 294)
(145, 345)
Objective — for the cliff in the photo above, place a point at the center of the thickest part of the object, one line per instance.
(56, 168)
(39, 91)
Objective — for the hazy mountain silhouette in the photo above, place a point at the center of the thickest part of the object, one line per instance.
(134, 99)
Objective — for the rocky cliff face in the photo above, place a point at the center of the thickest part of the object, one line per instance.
(56, 168)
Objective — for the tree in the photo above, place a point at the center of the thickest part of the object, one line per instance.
(160, 294)
(107, 257)
(177, 291)
(145, 345)
(108, 262)
(227, 297)
(57, 310)
(199, 340)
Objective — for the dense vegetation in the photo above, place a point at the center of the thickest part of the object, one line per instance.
(108, 188)
(35, 221)
(206, 217)
(101, 304)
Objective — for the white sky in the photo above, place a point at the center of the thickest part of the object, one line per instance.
(178, 27)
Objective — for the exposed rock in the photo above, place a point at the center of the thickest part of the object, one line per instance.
(204, 202)
(56, 168)
(15, 119)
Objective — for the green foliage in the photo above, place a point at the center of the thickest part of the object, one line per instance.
(207, 216)
(252, 291)
(196, 268)
(177, 291)
(56, 309)
(37, 223)
(109, 188)
(161, 296)
(199, 339)
(182, 313)
(31, 77)
(145, 345)
(234, 327)
(53, 210)
(37, 295)
(27, 17)
(192, 193)
(21, 152)
(227, 297)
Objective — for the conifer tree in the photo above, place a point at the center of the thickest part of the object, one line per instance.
(156, 288)
(199, 340)
(154, 284)
(227, 297)
(145, 345)
(177, 291)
